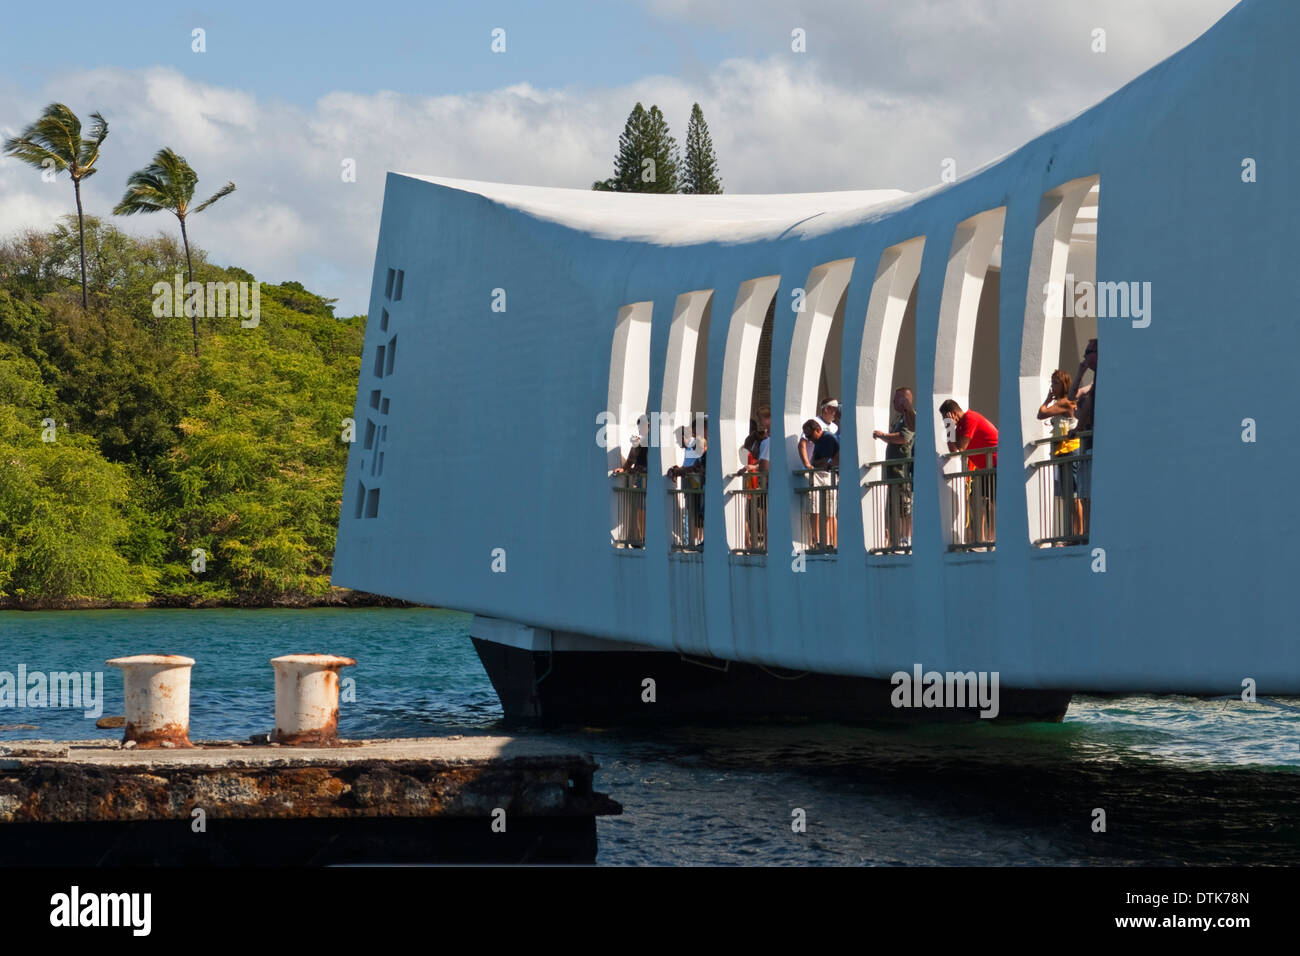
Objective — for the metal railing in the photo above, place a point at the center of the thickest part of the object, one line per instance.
(973, 496)
(686, 512)
(629, 509)
(818, 493)
(889, 498)
(749, 514)
(1062, 515)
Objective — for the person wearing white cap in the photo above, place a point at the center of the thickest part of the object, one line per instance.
(828, 413)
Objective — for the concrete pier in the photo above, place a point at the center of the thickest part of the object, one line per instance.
(423, 800)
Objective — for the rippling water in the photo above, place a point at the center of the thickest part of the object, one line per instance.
(1181, 780)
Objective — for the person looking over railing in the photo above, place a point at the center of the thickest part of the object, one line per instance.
(638, 455)
(1086, 402)
(753, 474)
(765, 442)
(900, 439)
(1058, 409)
(820, 461)
(691, 474)
(828, 416)
(632, 490)
(970, 431)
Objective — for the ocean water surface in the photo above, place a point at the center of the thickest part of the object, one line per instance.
(1181, 780)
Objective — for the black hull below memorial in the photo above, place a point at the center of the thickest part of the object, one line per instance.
(608, 688)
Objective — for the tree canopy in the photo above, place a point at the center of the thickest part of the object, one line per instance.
(123, 452)
(700, 172)
(648, 159)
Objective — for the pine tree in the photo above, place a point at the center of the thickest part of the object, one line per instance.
(627, 164)
(659, 175)
(647, 160)
(701, 172)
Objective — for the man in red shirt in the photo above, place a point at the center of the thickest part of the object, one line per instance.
(971, 430)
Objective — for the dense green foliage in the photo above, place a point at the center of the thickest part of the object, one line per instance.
(157, 452)
(700, 169)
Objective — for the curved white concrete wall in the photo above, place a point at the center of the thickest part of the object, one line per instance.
(1195, 524)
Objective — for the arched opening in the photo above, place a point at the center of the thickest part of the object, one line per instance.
(887, 364)
(813, 378)
(966, 382)
(746, 393)
(1055, 377)
(626, 428)
(684, 408)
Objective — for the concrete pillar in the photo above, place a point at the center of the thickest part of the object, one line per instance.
(157, 692)
(307, 698)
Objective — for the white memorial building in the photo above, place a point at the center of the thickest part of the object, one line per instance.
(517, 334)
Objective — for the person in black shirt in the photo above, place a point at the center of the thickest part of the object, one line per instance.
(825, 460)
(900, 440)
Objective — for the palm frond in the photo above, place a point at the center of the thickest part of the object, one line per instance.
(166, 183)
(89, 151)
(224, 191)
(33, 154)
(56, 135)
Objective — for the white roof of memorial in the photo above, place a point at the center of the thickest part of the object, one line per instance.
(675, 219)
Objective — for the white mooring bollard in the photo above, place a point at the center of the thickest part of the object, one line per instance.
(307, 698)
(157, 692)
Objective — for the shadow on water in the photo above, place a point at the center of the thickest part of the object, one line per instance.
(981, 794)
(1181, 780)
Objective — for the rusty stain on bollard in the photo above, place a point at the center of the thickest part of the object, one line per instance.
(156, 688)
(307, 699)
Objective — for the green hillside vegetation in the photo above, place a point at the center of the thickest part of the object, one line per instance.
(156, 451)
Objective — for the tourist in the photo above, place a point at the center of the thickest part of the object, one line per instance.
(637, 460)
(812, 431)
(900, 439)
(1086, 399)
(1058, 409)
(829, 416)
(757, 523)
(691, 472)
(971, 431)
(824, 460)
(634, 469)
(765, 443)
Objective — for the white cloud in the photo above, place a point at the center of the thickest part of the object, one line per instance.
(885, 93)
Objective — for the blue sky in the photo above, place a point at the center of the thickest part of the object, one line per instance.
(281, 50)
(884, 94)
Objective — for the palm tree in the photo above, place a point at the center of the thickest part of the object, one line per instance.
(54, 142)
(168, 184)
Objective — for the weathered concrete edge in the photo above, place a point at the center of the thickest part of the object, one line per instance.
(299, 784)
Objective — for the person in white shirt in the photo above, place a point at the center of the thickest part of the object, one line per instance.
(827, 412)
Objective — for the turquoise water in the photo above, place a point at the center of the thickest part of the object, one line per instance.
(1181, 780)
